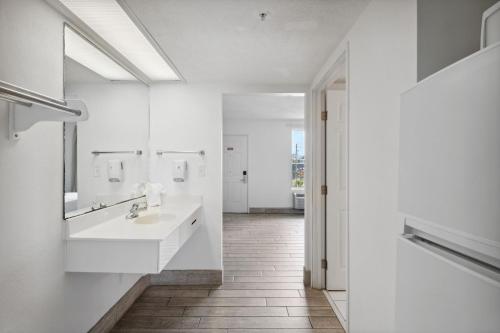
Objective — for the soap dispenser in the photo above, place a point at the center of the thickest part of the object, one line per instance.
(115, 171)
(179, 170)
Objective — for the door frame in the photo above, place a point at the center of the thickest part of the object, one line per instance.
(247, 169)
(316, 242)
(328, 214)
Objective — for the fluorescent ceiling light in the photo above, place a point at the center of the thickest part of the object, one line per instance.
(80, 50)
(271, 94)
(291, 94)
(108, 19)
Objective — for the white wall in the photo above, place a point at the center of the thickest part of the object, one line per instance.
(189, 117)
(269, 159)
(109, 129)
(382, 64)
(37, 295)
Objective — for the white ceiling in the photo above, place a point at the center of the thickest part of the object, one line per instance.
(263, 106)
(226, 41)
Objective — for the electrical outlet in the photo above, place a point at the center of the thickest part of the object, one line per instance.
(202, 170)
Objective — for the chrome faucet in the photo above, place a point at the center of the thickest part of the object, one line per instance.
(134, 210)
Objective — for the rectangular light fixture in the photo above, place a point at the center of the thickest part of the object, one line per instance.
(83, 52)
(108, 19)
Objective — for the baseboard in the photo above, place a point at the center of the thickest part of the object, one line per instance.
(337, 311)
(110, 318)
(267, 210)
(187, 277)
(307, 277)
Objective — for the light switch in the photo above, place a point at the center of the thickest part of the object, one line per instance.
(97, 172)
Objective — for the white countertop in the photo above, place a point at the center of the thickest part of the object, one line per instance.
(121, 229)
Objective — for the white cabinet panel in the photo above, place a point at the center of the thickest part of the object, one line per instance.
(450, 147)
(440, 293)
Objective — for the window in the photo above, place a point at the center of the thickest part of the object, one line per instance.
(298, 158)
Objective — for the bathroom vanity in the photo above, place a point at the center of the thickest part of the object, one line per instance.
(107, 241)
(106, 164)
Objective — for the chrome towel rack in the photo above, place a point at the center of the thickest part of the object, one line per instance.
(199, 152)
(27, 107)
(100, 152)
(14, 94)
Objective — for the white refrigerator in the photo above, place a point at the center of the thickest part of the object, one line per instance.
(448, 265)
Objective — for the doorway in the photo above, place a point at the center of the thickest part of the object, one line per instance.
(336, 197)
(329, 124)
(263, 153)
(235, 155)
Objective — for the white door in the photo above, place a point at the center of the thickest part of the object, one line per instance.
(336, 198)
(235, 174)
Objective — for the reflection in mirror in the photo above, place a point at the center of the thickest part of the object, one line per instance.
(105, 158)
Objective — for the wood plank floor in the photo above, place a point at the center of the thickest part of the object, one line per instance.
(262, 290)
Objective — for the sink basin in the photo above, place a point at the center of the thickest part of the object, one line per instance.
(154, 218)
(111, 243)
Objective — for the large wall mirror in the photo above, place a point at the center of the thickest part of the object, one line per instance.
(105, 157)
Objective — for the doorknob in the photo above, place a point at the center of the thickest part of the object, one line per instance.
(244, 179)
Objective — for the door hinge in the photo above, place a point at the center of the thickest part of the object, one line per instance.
(324, 115)
(324, 263)
(324, 190)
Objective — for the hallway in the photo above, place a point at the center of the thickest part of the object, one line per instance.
(262, 290)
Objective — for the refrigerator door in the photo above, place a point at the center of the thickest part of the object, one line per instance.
(441, 292)
(450, 152)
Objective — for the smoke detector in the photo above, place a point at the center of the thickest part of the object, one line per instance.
(263, 15)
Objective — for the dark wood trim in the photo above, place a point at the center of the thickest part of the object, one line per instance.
(110, 318)
(187, 277)
(266, 210)
(184, 277)
(307, 278)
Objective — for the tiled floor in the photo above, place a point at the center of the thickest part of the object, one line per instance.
(262, 290)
